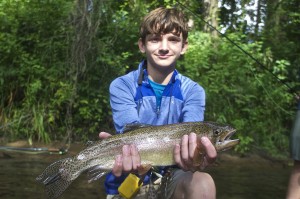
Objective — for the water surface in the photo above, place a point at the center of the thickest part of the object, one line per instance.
(235, 178)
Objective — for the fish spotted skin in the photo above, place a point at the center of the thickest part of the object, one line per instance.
(154, 143)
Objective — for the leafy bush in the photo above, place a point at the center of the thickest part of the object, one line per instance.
(239, 92)
(59, 57)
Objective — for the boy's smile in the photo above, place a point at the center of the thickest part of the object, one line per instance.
(162, 50)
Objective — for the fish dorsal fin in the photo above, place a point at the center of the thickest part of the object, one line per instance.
(134, 126)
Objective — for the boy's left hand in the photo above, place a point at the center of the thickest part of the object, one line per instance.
(128, 161)
(185, 151)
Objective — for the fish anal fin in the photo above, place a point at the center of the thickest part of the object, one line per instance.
(144, 168)
(95, 173)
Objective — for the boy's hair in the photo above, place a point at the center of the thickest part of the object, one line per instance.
(163, 21)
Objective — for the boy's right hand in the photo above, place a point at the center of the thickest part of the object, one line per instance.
(128, 161)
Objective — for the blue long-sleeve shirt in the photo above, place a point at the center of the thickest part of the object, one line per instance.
(134, 101)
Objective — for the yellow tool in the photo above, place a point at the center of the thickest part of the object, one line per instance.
(131, 185)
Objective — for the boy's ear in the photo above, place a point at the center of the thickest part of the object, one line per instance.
(184, 47)
(141, 45)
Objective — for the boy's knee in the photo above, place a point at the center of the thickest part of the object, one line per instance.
(202, 185)
(202, 177)
(195, 185)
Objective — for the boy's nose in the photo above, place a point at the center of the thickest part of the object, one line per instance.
(164, 46)
(163, 51)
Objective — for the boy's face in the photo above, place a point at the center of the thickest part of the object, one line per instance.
(162, 50)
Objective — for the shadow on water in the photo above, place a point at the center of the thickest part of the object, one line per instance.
(251, 177)
(235, 178)
(18, 173)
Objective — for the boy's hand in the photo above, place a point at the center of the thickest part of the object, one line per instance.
(185, 151)
(104, 135)
(128, 161)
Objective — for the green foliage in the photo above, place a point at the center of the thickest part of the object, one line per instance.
(32, 43)
(239, 92)
(59, 57)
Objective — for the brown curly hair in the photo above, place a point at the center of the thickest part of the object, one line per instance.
(163, 21)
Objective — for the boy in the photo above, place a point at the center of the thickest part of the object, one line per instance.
(157, 94)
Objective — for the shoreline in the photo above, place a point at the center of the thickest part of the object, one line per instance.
(75, 147)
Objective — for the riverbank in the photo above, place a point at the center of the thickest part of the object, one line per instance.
(258, 159)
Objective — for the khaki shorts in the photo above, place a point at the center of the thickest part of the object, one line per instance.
(164, 191)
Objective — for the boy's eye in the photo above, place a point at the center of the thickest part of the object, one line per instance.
(154, 39)
(174, 39)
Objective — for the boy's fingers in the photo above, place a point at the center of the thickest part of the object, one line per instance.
(136, 159)
(184, 148)
(192, 145)
(118, 166)
(127, 160)
(177, 157)
(210, 150)
(104, 135)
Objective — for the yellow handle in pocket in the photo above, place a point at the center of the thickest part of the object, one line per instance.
(131, 185)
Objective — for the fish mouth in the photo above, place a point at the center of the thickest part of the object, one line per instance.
(224, 142)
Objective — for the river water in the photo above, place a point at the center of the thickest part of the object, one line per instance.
(235, 178)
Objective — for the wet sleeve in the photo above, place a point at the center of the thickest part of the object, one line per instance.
(124, 108)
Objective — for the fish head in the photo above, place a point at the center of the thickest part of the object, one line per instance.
(220, 136)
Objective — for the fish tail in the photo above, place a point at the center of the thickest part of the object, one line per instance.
(56, 177)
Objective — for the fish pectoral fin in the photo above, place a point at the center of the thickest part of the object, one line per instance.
(198, 156)
(95, 173)
(144, 168)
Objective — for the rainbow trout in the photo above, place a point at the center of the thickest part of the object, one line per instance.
(154, 143)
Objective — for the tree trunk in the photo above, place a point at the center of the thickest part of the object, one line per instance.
(211, 17)
(258, 17)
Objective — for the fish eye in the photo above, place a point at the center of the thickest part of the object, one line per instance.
(216, 132)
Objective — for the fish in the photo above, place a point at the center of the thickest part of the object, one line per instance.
(154, 143)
